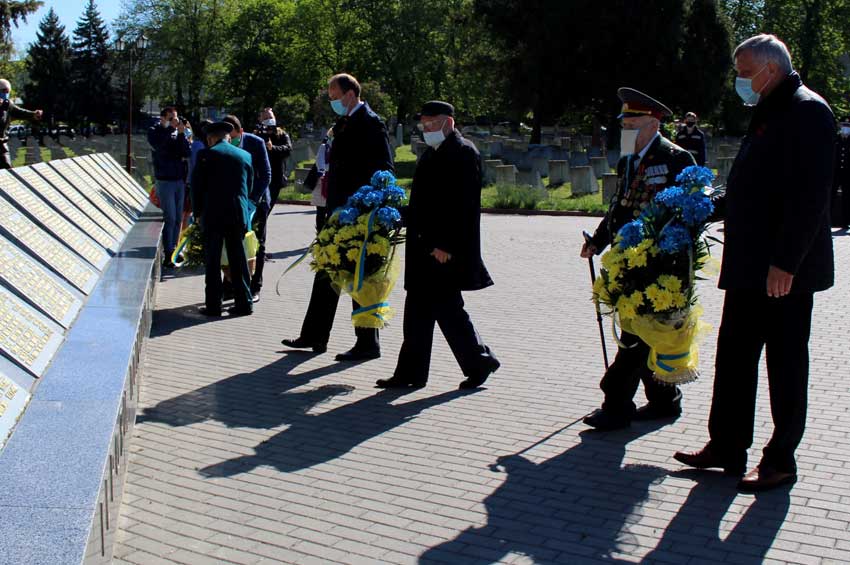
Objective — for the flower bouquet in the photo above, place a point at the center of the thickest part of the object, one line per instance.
(648, 276)
(357, 248)
(191, 248)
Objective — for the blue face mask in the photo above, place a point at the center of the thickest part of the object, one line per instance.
(338, 107)
(744, 88)
(4, 95)
(187, 132)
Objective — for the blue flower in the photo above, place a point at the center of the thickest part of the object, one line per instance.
(388, 217)
(631, 234)
(395, 195)
(671, 197)
(382, 179)
(674, 238)
(695, 177)
(374, 198)
(348, 216)
(696, 209)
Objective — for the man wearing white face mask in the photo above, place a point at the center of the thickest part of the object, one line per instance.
(9, 111)
(777, 253)
(648, 164)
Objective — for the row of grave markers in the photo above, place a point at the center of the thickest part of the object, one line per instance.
(60, 223)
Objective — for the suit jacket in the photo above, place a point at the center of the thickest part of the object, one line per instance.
(360, 148)
(221, 184)
(777, 197)
(255, 145)
(657, 170)
(445, 213)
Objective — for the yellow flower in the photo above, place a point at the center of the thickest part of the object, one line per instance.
(625, 308)
(636, 299)
(600, 293)
(325, 235)
(380, 246)
(614, 285)
(670, 282)
(663, 300)
(652, 292)
(636, 257)
(679, 300)
(352, 254)
(612, 257)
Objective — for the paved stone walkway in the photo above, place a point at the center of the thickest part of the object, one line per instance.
(246, 454)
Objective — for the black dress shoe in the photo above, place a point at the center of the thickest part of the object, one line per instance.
(705, 458)
(255, 297)
(765, 477)
(355, 354)
(301, 343)
(399, 382)
(478, 380)
(606, 421)
(658, 412)
(236, 311)
(212, 313)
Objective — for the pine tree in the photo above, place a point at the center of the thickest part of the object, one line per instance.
(10, 12)
(91, 89)
(49, 68)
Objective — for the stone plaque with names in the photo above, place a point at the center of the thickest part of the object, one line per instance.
(45, 247)
(115, 186)
(40, 287)
(93, 193)
(106, 183)
(56, 224)
(13, 400)
(26, 336)
(112, 165)
(66, 207)
(69, 192)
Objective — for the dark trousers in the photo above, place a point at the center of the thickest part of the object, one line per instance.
(752, 321)
(629, 368)
(274, 191)
(262, 218)
(240, 276)
(321, 312)
(422, 309)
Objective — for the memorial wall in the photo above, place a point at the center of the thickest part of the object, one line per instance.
(61, 222)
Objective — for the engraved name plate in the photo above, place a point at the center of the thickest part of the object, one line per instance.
(112, 186)
(132, 188)
(26, 336)
(93, 192)
(73, 195)
(13, 400)
(61, 228)
(112, 164)
(40, 287)
(38, 242)
(107, 192)
(66, 207)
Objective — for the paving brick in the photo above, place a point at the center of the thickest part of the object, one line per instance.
(245, 453)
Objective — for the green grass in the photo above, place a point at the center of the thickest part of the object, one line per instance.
(20, 157)
(45, 153)
(69, 152)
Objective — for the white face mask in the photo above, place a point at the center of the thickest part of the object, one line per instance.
(434, 138)
(845, 130)
(628, 140)
(270, 122)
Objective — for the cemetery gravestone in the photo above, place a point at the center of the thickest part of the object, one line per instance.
(599, 166)
(583, 181)
(559, 172)
(609, 186)
(506, 174)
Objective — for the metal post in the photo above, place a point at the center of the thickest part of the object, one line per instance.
(130, 113)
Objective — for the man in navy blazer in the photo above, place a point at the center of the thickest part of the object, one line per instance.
(260, 195)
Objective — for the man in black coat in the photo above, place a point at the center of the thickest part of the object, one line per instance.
(279, 146)
(692, 139)
(648, 165)
(361, 147)
(443, 255)
(777, 254)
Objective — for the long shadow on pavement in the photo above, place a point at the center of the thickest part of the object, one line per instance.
(314, 439)
(572, 508)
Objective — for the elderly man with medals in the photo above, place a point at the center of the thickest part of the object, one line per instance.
(648, 164)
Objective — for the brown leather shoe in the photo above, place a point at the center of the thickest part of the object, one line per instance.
(707, 459)
(765, 477)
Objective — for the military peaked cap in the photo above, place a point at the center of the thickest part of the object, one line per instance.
(636, 104)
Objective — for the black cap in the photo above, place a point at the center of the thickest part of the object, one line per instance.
(636, 104)
(217, 128)
(436, 108)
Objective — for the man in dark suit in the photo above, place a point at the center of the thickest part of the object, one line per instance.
(260, 195)
(222, 181)
(777, 254)
(648, 165)
(692, 139)
(443, 255)
(360, 148)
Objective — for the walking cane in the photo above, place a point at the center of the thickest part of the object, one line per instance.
(587, 238)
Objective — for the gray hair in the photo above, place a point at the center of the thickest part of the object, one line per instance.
(767, 48)
(5, 83)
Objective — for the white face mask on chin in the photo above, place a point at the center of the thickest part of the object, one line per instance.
(628, 140)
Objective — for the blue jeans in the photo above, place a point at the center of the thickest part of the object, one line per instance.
(171, 195)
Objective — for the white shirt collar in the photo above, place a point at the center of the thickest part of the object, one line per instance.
(646, 148)
(357, 107)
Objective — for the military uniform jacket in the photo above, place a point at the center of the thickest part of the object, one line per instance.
(657, 170)
(694, 142)
(776, 207)
(221, 184)
(360, 148)
(445, 213)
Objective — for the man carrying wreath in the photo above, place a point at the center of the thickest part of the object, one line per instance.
(648, 164)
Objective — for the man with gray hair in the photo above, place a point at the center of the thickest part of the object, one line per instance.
(9, 111)
(777, 254)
